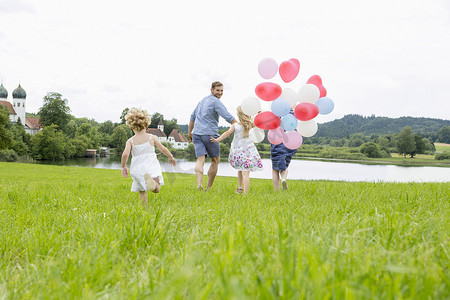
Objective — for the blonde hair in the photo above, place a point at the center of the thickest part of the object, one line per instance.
(137, 119)
(245, 120)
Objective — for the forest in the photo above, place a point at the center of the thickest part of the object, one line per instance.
(351, 137)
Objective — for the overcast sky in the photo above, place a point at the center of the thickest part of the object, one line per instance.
(387, 58)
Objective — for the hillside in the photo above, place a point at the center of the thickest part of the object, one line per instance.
(351, 124)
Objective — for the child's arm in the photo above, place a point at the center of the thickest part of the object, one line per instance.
(164, 150)
(125, 155)
(224, 135)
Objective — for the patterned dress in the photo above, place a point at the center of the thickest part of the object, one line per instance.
(243, 154)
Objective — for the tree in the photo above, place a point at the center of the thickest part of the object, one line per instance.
(6, 137)
(106, 127)
(71, 129)
(21, 139)
(78, 145)
(405, 142)
(49, 144)
(54, 111)
(91, 134)
(122, 116)
(444, 134)
(420, 146)
(119, 138)
(371, 150)
(383, 143)
(168, 125)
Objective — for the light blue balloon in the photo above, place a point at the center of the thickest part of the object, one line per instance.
(289, 122)
(280, 107)
(325, 105)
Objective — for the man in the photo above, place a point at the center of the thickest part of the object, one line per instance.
(203, 125)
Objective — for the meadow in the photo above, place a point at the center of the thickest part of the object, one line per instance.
(79, 233)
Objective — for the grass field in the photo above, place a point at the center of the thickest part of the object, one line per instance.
(441, 147)
(79, 233)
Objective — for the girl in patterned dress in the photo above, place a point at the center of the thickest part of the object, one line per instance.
(244, 156)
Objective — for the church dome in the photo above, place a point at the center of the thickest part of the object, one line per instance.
(3, 92)
(19, 93)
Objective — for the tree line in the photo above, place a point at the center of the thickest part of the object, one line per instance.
(66, 136)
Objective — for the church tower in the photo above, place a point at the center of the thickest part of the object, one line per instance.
(161, 125)
(3, 93)
(19, 99)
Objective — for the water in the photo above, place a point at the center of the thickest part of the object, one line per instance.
(298, 169)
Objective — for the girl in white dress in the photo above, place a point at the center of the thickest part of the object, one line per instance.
(145, 168)
(244, 156)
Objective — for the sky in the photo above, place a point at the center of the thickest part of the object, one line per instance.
(385, 58)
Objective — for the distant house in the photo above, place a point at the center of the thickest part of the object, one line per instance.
(90, 153)
(158, 132)
(17, 109)
(178, 140)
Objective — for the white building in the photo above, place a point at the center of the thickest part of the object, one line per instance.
(17, 109)
(158, 132)
(176, 138)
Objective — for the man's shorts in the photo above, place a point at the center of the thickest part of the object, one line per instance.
(281, 156)
(204, 146)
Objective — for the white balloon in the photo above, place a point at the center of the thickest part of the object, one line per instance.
(251, 106)
(309, 93)
(256, 135)
(307, 128)
(290, 95)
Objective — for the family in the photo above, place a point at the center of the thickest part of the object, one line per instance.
(145, 169)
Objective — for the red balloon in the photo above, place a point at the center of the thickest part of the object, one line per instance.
(317, 81)
(267, 120)
(289, 69)
(268, 91)
(306, 111)
(294, 60)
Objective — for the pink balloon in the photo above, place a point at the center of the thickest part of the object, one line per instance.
(292, 139)
(276, 136)
(294, 60)
(289, 69)
(267, 68)
(306, 111)
(268, 91)
(267, 120)
(317, 81)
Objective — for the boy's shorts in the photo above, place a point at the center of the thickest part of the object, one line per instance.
(204, 146)
(281, 156)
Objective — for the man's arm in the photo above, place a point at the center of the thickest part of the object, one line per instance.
(223, 112)
(190, 128)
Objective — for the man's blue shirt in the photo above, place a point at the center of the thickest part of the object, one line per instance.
(206, 116)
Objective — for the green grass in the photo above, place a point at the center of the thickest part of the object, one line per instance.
(441, 147)
(79, 233)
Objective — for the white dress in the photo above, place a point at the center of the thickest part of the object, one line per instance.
(243, 154)
(144, 161)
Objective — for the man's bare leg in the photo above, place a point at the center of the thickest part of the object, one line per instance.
(212, 172)
(199, 170)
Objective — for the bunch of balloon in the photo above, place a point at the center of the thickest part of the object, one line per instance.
(292, 113)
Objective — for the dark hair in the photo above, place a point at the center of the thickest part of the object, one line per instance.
(215, 84)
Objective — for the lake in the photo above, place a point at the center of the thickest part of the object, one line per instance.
(298, 169)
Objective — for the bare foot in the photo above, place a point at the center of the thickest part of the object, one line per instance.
(151, 184)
